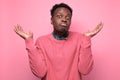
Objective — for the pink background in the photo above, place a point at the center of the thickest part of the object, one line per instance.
(34, 15)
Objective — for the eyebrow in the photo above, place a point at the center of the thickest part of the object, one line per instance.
(59, 13)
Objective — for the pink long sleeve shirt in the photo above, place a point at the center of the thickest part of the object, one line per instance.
(60, 59)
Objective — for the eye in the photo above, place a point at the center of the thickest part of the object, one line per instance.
(68, 17)
(59, 16)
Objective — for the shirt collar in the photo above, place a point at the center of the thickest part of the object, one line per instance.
(60, 37)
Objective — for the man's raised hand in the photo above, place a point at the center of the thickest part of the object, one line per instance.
(19, 30)
(95, 31)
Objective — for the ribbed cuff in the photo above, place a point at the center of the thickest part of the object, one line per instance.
(29, 43)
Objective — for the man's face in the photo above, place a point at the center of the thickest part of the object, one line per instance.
(61, 20)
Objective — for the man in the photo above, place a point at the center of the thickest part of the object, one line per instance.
(62, 54)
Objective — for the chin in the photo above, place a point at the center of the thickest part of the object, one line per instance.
(62, 30)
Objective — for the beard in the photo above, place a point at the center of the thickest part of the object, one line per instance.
(59, 29)
(62, 29)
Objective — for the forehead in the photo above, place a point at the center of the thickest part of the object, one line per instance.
(62, 10)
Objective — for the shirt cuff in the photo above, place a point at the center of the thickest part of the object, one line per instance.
(29, 43)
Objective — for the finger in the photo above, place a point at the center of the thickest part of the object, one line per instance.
(19, 28)
(31, 33)
(15, 28)
(99, 29)
(100, 26)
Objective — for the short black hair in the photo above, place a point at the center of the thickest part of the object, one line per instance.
(59, 6)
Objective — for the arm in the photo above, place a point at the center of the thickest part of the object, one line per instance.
(36, 58)
(85, 57)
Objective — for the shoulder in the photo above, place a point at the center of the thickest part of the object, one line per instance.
(44, 37)
(78, 36)
(75, 34)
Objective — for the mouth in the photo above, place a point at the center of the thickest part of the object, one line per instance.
(63, 24)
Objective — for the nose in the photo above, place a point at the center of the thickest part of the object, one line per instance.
(64, 19)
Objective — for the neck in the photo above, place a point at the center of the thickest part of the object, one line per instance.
(60, 36)
(61, 33)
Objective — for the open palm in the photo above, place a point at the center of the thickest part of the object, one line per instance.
(19, 30)
(95, 31)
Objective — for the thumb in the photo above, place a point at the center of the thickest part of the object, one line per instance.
(31, 33)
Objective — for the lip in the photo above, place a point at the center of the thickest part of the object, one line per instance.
(63, 24)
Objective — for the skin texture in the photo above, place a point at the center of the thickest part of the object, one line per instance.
(61, 21)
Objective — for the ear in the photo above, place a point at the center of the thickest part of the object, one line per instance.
(51, 21)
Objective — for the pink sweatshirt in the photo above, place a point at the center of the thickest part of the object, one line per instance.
(60, 59)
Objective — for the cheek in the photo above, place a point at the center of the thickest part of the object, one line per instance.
(56, 22)
(69, 22)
